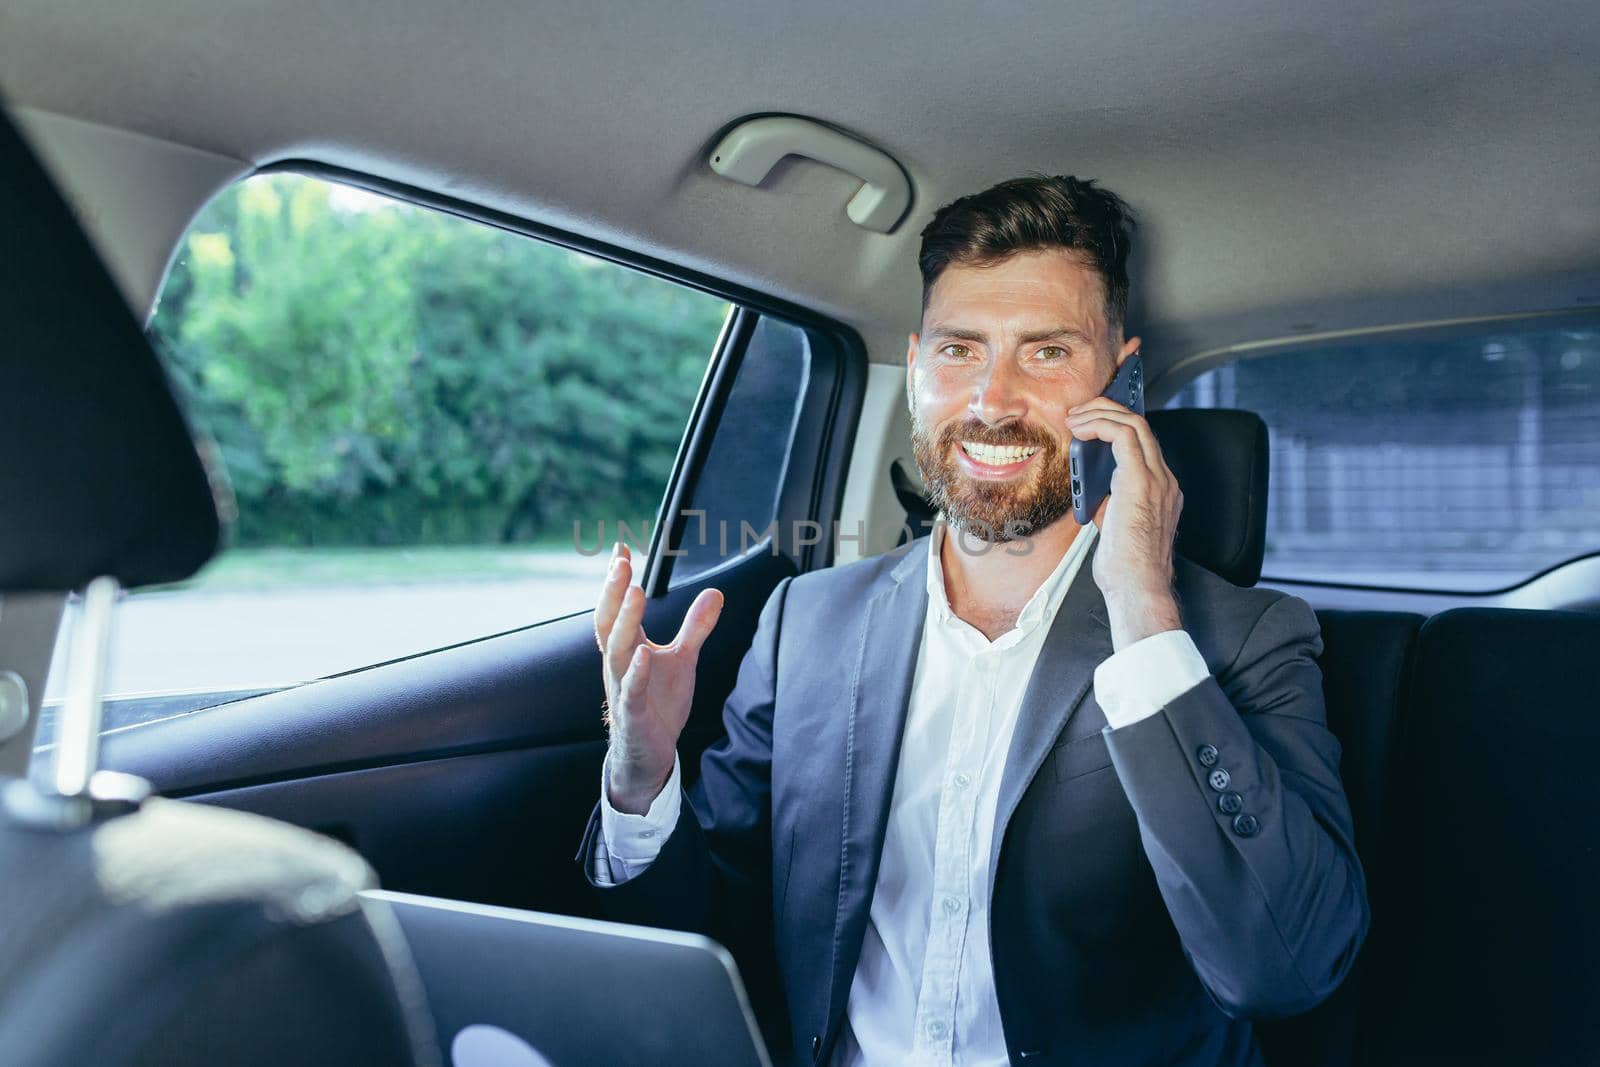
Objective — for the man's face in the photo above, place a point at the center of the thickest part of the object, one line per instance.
(1005, 351)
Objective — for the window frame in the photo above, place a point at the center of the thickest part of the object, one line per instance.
(812, 486)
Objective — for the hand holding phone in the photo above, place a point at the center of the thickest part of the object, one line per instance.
(1092, 461)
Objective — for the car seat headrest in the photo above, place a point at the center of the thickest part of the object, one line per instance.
(98, 471)
(1220, 458)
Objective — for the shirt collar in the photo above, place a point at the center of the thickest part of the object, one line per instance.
(1045, 600)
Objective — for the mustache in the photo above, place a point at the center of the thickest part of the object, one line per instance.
(981, 434)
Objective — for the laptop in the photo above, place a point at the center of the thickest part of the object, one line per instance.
(513, 988)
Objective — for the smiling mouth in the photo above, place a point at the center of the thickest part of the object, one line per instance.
(999, 459)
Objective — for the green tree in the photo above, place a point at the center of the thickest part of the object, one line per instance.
(377, 373)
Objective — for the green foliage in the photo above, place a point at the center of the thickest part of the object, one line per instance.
(380, 374)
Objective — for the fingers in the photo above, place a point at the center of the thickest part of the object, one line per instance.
(625, 636)
(618, 577)
(700, 620)
(637, 678)
(631, 689)
(1123, 438)
(1107, 420)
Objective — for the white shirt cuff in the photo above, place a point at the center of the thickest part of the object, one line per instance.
(1147, 676)
(630, 843)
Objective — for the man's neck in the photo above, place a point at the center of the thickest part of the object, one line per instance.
(989, 584)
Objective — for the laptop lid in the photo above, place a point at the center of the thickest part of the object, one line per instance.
(512, 988)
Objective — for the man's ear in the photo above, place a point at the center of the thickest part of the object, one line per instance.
(1129, 347)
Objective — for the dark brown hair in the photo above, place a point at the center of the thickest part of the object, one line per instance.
(1032, 214)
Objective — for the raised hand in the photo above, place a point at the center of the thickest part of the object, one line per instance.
(1138, 523)
(649, 686)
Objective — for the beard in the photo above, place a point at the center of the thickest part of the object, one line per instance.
(997, 512)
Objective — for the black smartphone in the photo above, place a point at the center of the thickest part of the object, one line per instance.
(1092, 461)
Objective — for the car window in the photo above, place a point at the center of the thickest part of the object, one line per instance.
(419, 415)
(1465, 460)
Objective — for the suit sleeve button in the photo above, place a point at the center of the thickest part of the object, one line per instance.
(1207, 754)
(1219, 779)
(1246, 825)
(1230, 803)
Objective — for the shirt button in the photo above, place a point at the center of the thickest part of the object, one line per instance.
(1207, 754)
(647, 833)
(1230, 803)
(936, 1029)
(1245, 825)
(951, 905)
(963, 780)
(1219, 779)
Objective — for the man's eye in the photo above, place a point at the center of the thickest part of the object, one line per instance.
(1050, 352)
(957, 351)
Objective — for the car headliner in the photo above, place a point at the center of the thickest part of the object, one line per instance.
(1298, 167)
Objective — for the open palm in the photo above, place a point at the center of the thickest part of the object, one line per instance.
(649, 686)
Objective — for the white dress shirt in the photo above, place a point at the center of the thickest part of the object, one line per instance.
(923, 989)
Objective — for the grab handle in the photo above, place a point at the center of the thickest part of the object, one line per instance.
(751, 149)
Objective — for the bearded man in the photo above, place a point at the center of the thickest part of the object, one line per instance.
(1026, 790)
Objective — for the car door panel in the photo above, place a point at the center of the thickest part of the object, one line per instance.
(467, 772)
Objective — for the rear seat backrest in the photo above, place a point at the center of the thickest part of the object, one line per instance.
(1492, 953)
(1366, 662)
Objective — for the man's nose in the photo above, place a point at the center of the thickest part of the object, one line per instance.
(998, 396)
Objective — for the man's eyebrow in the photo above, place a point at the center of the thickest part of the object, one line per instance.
(1054, 333)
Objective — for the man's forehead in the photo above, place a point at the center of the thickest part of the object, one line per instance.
(1027, 293)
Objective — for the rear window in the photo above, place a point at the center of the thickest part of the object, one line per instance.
(1462, 460)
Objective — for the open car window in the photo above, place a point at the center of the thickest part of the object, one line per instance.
(434, 429)
(1461, 460)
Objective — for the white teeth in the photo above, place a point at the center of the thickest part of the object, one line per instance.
(997, 455)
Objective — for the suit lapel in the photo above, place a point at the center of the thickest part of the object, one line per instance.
(1079, 641)
(885, 653)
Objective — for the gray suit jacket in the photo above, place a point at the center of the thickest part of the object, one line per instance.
(1132, 921)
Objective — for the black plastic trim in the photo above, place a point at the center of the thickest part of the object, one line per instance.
(824, 438)
(698, 434)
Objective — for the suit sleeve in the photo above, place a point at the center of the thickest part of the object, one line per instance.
(1243, 816)
(713, 874)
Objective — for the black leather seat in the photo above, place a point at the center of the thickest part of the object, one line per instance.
(1492, 951)
(1220, 459)
(136, 931)
(1367, 664)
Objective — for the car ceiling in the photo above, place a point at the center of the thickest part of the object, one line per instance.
(1297, 167)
